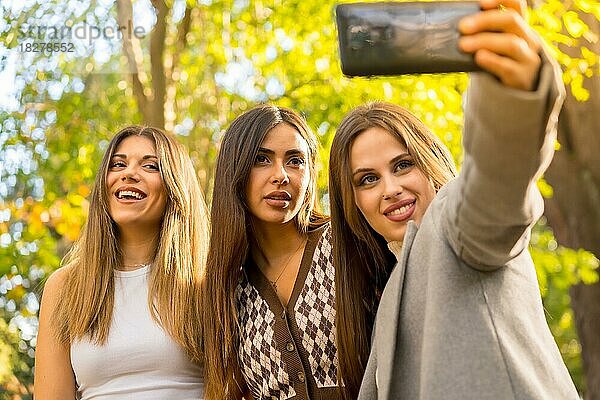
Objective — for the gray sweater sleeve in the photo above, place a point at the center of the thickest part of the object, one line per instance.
(368, 387)
(508, 139)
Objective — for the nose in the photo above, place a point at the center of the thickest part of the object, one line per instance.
(392, 188)
(130, 173)
(280, 175)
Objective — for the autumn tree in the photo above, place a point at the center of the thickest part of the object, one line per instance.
(198, 66)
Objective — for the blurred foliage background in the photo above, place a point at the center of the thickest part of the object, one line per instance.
(191, 68)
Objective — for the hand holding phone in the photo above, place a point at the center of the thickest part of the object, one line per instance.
(502, 42)
(400, 38)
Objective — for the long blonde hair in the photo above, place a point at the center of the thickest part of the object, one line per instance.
(86, 304)
(361, 258)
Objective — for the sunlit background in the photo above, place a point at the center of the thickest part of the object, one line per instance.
(190, 68)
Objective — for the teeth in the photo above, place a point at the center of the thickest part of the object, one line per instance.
(400, 210)
(129, 193)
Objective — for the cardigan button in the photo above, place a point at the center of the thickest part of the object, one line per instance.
(289, 346)
(301, 376)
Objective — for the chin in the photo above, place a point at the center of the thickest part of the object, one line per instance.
(395, 235)
(131, 221)
(278, 218)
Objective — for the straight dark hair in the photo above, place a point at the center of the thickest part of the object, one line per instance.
(362, 260)
(231, 235)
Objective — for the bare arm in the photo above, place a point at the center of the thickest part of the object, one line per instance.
(54, 378)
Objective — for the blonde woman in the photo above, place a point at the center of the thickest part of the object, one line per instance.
(120, 319)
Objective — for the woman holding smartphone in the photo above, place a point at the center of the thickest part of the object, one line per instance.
(461, 315)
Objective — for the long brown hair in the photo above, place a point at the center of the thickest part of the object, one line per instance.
(231, 236)
(361, 258)
(86, 305)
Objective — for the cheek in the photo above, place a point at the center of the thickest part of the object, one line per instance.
(249, 190)
(252, 185)
(305, 181)
(361, 199)
(163, 205)
(429, 193)
(111, 178)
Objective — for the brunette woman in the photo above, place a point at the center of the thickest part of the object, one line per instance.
(461, 315)
(120, 319)
(270, 331)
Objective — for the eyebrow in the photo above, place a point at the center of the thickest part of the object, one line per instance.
(291, 152)
(392, 162)
(146, 157)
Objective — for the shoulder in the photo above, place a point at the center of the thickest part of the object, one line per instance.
(55, 283)
(319, 240)
(321, 232)
(319, 248)
(58, 278)
(53, 293)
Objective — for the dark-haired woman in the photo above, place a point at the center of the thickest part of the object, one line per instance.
(461, 315)
(270, 331)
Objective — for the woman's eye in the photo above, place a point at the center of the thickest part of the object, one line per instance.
(117, 164)
(261, 159)
(367, 179)
(403, 164)
(151, 166)
(296, 161)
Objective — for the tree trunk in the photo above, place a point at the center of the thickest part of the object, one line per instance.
(585, 300)
(574, 210)
(157, 67)
(151, 100)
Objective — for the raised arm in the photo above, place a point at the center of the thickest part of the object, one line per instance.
(54, 378)
(510, 127)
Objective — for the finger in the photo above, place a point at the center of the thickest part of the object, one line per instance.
(504, 44)
(500, 21)
(507, 70)
(520, 6)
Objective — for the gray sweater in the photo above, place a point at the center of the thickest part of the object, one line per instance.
(461, 316)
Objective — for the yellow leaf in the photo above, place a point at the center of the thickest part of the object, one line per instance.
(575, 26)
(83, 190)
(72, 232)
(545, 188)
(589, 56)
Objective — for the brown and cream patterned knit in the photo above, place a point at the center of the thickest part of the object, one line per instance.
(290, 352)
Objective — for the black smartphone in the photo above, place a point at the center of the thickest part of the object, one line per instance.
(393, 38)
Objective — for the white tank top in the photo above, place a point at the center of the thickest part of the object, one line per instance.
(139, 361)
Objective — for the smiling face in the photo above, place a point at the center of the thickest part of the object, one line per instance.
(389, 189)
(279, 178)
(136, 193)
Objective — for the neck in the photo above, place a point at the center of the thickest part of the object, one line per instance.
(137, 246)
(396, 248)
(274, 242)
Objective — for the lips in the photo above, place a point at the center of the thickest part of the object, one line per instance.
(278, 198)
(130, 193)
(401, 210)
(279, 195)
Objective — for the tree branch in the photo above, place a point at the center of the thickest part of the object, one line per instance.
(182, 31)
(125, 17)
(157, 48)
(172, 66)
